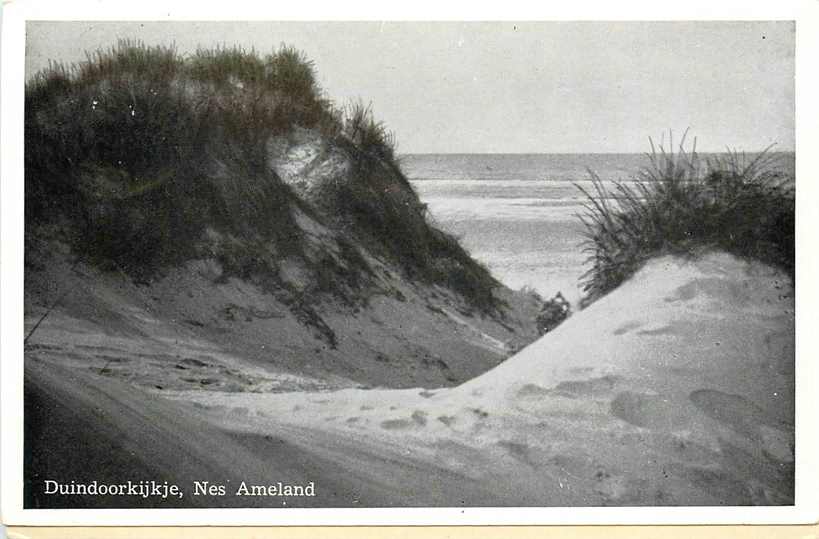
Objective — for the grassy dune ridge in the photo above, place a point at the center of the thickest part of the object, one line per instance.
(144, 153)
(684, 205)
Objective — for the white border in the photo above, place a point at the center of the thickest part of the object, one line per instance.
(16, 13)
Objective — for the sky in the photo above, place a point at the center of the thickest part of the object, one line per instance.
(505, 87)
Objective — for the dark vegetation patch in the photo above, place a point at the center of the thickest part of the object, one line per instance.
(681, 205)
(154, 158)
(552, 313)
(143, 150)
(387, 215)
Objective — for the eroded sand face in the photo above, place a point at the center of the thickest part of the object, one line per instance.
(677, 388)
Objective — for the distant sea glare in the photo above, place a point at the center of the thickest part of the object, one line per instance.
(516, 213)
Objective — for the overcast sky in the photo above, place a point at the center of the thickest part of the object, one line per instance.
(516, 87)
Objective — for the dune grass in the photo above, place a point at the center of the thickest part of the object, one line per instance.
(681, 204)
(146, 147)
(144, 150)
(371, 136)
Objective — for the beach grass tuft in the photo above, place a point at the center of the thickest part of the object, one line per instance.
(684, 205)
(371, 136)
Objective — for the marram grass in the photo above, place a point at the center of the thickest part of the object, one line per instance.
(142, 151)
(681, 204)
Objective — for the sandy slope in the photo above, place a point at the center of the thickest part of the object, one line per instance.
(193, 329)
(677, 388)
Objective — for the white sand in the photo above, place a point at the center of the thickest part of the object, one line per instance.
(677, 388)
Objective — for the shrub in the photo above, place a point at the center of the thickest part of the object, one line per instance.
(553, 312)
(681, 205)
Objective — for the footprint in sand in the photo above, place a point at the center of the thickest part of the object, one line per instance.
(447, 420)
(723, 289)
(518, 451)
(394, 424)
(748, 419)
(647, 410)
(625, 328)
(417, 419)
(572, 388)
(733, 410)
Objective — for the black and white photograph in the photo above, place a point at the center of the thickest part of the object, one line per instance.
(408, 264)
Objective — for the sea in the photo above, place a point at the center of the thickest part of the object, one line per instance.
(517, 213)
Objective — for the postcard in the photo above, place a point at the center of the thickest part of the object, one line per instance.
(405, 271)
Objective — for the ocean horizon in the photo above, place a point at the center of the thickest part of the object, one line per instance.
(517, 213)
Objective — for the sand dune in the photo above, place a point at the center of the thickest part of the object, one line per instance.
(676, 389)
